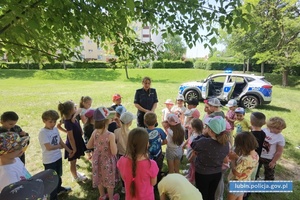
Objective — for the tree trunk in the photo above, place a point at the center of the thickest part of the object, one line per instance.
(244, 66)
(285, 77)
(262, 68)
(126, 70)
(64, 64)
(248, 64)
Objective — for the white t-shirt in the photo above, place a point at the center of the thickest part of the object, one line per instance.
(83, 111)
(270, 143)
(176, 109)
(170, 143)
(53, 138)
(12, 173)
(165, 112)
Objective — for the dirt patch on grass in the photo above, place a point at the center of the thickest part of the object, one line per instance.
(291, 172)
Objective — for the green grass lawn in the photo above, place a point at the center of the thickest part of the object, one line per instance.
(31, 92)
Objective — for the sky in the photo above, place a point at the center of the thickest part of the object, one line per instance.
(199, 50)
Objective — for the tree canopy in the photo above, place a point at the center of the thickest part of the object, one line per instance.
(273, 35)
(51, 28)
(174, 48)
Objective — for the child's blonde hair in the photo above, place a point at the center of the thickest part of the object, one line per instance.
(276, 122)
(137, 144)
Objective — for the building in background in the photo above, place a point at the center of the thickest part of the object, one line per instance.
(91, 51)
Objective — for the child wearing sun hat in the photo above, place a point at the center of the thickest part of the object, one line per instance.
(179, 108)
(167, 110)
(104, 156)
(175, 138)
(241, 124)
(12, 169)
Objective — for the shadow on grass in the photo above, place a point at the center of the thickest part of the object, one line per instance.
(275, 108)
(71, 74)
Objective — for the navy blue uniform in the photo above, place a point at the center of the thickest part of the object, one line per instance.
(146, 99)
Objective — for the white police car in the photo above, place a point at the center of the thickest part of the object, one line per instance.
(249, 90)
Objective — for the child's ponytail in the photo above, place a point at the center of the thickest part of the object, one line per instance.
(137, 145)
(132, 185)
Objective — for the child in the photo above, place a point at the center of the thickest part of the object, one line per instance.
(189, 115)
(136, 169)
(84, 105)
(74, 138)
(230, 117)
(211, 152)
(117, 100)
(122, 136)
(206, 110)
(157, 138)
(88, 129)
(244, 159)
(176, 186)
(122, 132)
(167, 110)
(119, 111)
(241, 124)
(104, 156)
(113, 125)
(51, 143)
(214, 106)
(8, 121)
(257, 120)
(191, 112)
(11, 167)
(175, 138)
(179, 108)
(196, 129)
(272, 146)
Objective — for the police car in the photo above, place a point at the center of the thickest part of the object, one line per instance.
(249, 90)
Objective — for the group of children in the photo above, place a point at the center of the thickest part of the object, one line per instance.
(136, 156)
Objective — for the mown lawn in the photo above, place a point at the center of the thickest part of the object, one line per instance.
(31, 92)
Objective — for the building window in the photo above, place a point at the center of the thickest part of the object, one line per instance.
(90, 41)
(99, 57)
(99, 48)
(90, 50)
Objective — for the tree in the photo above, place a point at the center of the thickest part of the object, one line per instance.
(272, 35)
(174, 48)
(39, 28)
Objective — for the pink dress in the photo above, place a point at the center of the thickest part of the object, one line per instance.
(145, 170)
(104, 163)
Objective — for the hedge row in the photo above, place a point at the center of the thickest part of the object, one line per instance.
(172, 64)
(144, 64)
(230, 65)
(75, 65)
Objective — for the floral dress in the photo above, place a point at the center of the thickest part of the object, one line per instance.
(104, 163)
(245, 165)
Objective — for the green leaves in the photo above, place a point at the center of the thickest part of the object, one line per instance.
(42, 27)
